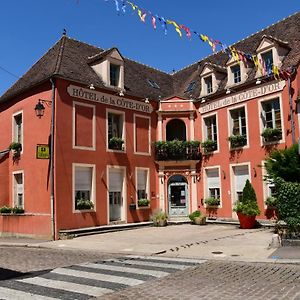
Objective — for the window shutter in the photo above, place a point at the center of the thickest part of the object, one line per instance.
(141, 179)
(83, 178)
(241, 176)
(213, 178)
(115, 180)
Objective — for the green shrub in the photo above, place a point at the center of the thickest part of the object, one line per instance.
(237, 140)
(248, 204)
(288, 204)
(159, 218)
(15, 146)
(211, 201)
(143, 202)
(209, 145)
(5, 210)
(195, 214)
(18, 210)
(84, 204)
(285, 164)
(271, 201)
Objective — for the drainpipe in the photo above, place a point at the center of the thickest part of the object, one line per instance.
(52, 202)
(291, 111)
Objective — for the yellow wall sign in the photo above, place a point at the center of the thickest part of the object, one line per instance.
(42, 152)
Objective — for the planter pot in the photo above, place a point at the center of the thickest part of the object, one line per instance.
(246, 222)
(200, 220)
(160, 223)
(132, 206)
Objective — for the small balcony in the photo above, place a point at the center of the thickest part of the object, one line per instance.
(177, 150)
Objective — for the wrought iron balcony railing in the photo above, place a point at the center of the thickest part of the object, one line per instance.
(177, 150)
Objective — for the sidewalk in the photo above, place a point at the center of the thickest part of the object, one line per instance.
(213, 241)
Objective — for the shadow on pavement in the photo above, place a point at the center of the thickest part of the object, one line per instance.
(9, 274)
(287, 252)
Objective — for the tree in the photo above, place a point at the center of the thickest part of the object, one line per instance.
(284, 164)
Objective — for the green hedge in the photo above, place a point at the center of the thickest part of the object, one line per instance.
(288, 196)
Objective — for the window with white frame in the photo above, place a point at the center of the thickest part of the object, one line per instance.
(208, 84)
(238, 128)
(115, 133)
(142, 183)
(267, 59)
(18, 128)
(114, 74)
(83, 182)
(236, 73)
(210, 130)
(213, 183)
(18, 182)
(238, 122)
(271, 116)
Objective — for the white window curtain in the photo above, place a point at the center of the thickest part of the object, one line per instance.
(142, 179)
(115, 180)
(83, 178)
(241, 176)
(213, 178)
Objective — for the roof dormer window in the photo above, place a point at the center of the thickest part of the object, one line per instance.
(271, 51)
(267, 59)
(211, 76)
(236, 73)
(109, 66)
(208, 84)
(114, 75)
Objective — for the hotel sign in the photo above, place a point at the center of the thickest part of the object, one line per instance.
(42, 151)
(87, 94)
(243, 96)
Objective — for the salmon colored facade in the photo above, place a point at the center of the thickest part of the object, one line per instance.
(119, 140)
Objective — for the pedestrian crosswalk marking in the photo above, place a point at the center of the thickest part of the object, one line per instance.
(171, 259)
(103, 277)
(10, 294)
(89, 280)
(126, 269)
(67, 286)
(153, 264)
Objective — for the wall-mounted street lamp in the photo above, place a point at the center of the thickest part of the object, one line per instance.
(40, 108)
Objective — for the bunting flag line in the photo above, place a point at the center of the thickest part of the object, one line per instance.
(261, 66)
(177, 28)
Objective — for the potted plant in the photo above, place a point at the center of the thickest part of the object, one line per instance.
(247, 208)
(271, 202)
(5, 209)
(197, 217)
(237, 140)
(115, 143)
(16, 148)
(143, 202)
(272, 134)
(209, 145)
(159, 218)
(82, 204)
(18, 210)
(212, 202)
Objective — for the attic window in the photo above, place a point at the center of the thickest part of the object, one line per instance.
(236, 72)
(208, 84)
(114, 75)
(190, 87)
(267, 58)
(153, 84)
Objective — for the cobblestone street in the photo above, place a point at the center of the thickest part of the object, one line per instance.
(210, 280)
(25, 259)
(221, 280)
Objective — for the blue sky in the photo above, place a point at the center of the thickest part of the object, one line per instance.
(30, 27)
